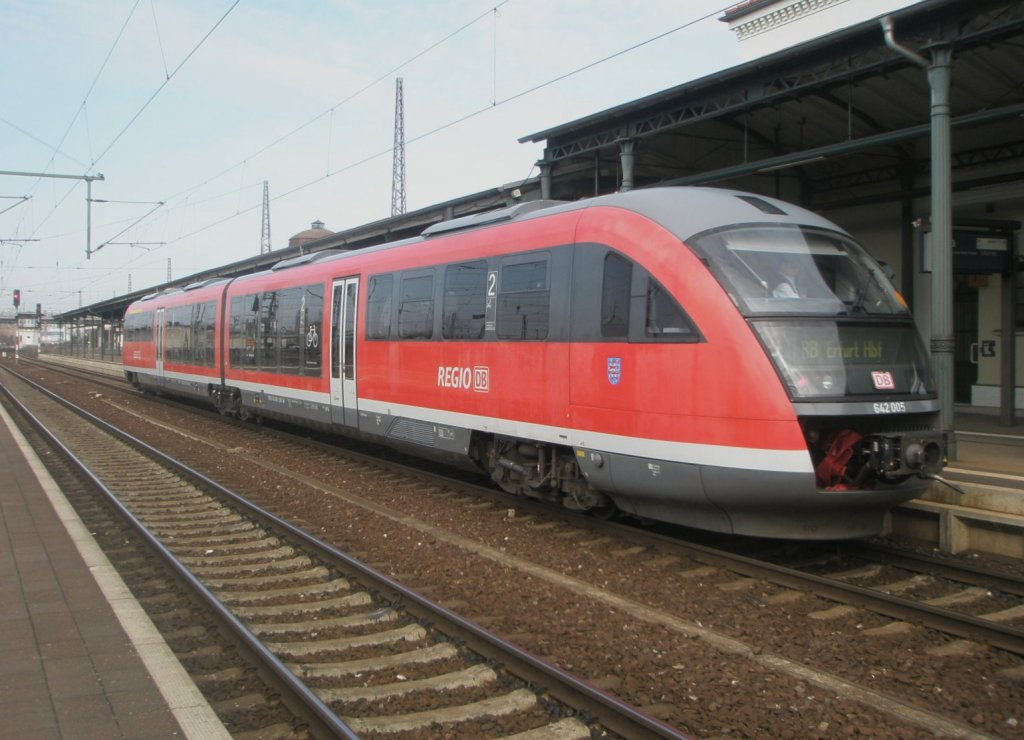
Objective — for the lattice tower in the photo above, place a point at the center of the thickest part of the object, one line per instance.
(398, 169)
(265, 238)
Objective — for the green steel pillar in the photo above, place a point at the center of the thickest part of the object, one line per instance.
(939, 70)
(545, 179)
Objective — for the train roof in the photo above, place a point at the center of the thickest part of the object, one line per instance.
(685, 211)
(688, 211)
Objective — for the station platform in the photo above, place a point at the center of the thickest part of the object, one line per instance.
(985, 445)
(986, 515)
(81, 659)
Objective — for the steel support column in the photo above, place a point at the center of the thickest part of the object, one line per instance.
(939, 72)
(939, 69)
(626, 158)
(545, 179)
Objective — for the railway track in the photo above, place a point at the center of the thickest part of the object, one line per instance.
(891, 596)
(361, 654)
(958, 594)
(841, 584)
(971, 603)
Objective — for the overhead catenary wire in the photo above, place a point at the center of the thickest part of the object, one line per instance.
(92, 86)
(378, 80)
(347, 99)
(463, 119)
(130, 122)
(164, 84)
(155, 205)
(134, 118)
(145, 105)
(55, 150)
(279, 140)
(241, 210)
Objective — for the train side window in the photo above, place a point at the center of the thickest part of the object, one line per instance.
(236, 337)
(268, 328)
(615, 286)
(416, 307)
(203, 329)
(289, 321)
(378, 306)
(177, 335)
(138, 327)
(311, 337)
(242, 331)
(665, 319)
(465, 297)
(524, 300)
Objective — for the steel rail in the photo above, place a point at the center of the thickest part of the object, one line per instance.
(1005, 637)
(961, 572)
(613, 713)
(997, 635)
(331, 724)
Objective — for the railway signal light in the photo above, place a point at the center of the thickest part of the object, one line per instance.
(17, 297)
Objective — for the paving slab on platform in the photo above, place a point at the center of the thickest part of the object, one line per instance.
(70, 668)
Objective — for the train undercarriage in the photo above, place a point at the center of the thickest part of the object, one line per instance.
(540, 471)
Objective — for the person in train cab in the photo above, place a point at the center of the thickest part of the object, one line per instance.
(787, 286)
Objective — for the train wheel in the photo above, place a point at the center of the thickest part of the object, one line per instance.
(605, 512)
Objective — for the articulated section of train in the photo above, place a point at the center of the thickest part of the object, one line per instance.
(699, 356)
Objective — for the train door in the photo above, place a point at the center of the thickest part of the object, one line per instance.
(343, 351)
(158, 357)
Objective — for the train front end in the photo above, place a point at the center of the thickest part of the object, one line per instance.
(849, 355)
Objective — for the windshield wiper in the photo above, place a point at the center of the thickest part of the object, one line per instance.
(761, 281)
(857, 304)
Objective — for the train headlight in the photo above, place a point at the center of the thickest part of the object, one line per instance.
(827, 382)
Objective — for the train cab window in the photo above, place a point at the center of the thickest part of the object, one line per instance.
(794, 270)
(465, 297)
(378, 306)
(416, 307)
(524, 300)
(615, 285)
(665, 320)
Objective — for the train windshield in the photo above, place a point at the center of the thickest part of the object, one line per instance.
(819, 358)
(790, 270)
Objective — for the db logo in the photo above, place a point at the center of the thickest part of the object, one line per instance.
(481, 379)
(883, 380)
(463, 378)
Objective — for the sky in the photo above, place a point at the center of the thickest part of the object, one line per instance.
(186, 107)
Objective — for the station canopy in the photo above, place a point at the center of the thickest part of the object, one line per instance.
(838, 122)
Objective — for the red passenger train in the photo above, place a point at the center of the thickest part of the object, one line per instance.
(692, 355)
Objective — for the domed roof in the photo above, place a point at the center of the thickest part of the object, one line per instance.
(316, 231)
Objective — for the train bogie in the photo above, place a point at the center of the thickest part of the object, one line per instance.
(644, 352)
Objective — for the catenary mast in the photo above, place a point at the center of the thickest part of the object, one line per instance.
(398, 169)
